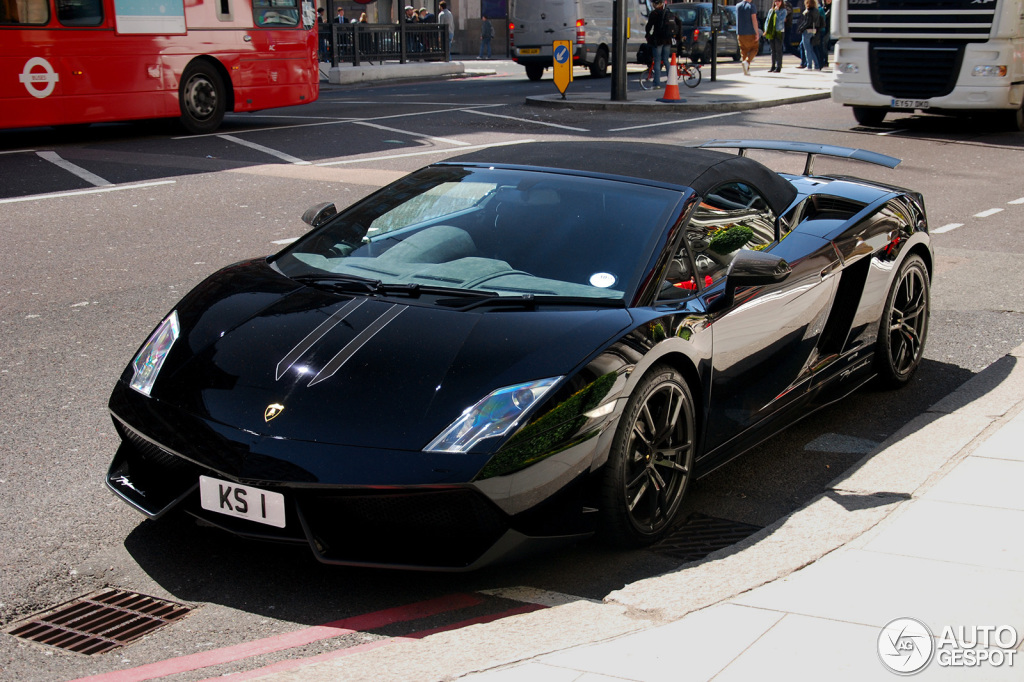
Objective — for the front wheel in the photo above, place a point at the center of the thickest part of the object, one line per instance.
(903, 328)
(651, 461)
(869, 116)
(647, 79)
(202, 98)
(534, 71)
(690, 76)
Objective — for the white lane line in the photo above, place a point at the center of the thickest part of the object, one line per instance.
(986, 214)
(891, 132)
(266, 150)
(371, 159)
(1016, 201)
(18, 151)
(947, 228)
(668, 123)
(91, 178)
(525, 120)
(459, 143)
(102, 190)
(285, 242)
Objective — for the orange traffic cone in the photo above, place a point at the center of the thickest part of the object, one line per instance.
(672, 87)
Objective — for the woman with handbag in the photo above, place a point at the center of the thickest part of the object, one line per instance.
(808, 34)
(774, 30)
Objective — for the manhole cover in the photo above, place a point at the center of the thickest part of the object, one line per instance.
(99, 622)
(700, 535)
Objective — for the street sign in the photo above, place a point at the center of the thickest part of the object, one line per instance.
(562, 67)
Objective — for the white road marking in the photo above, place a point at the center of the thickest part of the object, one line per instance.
(668, 123)
(1016, 201)
(891, 132)
(986, 214)
(78, 171)
(58, 195)
(266, 150)
(368, 159)
(285, 242)
(18, 151)
(947, 228)
(459, 143)
(525, 120)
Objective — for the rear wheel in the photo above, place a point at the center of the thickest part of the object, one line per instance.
(707, 56)
(202, 98)
(690, 76)
(869, 116)
(651, 460)
(647, 79)
(534, 71)
(599, 69)
(904, 325)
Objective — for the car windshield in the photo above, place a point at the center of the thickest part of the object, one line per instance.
(502, 231)
(688, 15)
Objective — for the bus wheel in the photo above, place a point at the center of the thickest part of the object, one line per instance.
(202, 98)
(869, 116)
(534, 71)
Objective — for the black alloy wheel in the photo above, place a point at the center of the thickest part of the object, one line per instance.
(904, 325)
(651, 460)
(202, 98)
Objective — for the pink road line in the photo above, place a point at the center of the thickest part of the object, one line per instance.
(283, 666)
(289, 640)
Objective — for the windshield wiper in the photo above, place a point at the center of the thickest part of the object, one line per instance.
(530, 302)
(344, 282)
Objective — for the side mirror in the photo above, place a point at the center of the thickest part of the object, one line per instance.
(319, 214)
(750, 269)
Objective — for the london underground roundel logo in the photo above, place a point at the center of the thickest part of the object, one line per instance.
(39, 83)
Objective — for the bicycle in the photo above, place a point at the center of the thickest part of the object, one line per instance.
(688, 73)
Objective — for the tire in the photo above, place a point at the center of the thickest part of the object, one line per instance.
(869, 116)
(738, 56)
(903, 328)
(707, 57)
(1015, 119)
(690, 76)
(534, 71)
(599, 69)
(647, 79)
(651, 461)
(202, 98)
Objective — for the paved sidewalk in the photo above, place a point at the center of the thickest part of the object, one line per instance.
(926, 527)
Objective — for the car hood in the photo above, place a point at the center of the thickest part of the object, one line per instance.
(284, 361)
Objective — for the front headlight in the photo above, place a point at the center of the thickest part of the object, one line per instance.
(492, 417)
(989, 71)
(151, 356)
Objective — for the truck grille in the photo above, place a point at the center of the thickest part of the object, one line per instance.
(919, 19)
(907, 72)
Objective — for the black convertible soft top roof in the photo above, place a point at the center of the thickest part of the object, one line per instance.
(700, 169)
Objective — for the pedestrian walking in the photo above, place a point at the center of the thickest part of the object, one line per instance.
(445, 17)
(662, 30)
(775, 33)
(809, 29)
(748, 33)
(824, 34)
(486, 34)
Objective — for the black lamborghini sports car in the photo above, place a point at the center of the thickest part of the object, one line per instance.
(497, 352)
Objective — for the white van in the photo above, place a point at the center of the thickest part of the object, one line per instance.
(587, 24)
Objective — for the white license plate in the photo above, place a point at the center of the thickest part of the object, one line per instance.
(242, 501)
(529, 50)
(910, 104)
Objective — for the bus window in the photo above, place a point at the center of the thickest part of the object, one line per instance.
(224, 10)
(80, 12)
(275, 13)
(28, 12)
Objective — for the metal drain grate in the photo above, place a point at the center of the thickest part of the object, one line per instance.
(99, 622)
(701, 535)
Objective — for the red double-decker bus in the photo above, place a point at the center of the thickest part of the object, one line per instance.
(86, 61)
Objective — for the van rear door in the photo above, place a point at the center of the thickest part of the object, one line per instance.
(538, 23)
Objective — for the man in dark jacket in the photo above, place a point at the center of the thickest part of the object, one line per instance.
(662, 30)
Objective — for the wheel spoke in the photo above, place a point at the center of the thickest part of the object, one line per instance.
(639, 494)
(671, 464)
(642, 476)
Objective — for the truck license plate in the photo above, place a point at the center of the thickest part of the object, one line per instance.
(242, 501)
(910, 104)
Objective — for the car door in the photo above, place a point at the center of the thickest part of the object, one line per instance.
(763, 341)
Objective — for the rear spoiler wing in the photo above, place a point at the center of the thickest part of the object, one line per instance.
(808, 148)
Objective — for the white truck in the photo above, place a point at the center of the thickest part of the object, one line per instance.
(535, 24)
(945, 56)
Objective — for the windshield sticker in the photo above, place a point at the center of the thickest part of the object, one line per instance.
(602, 280)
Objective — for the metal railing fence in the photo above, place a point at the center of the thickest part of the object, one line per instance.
(356, 43)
